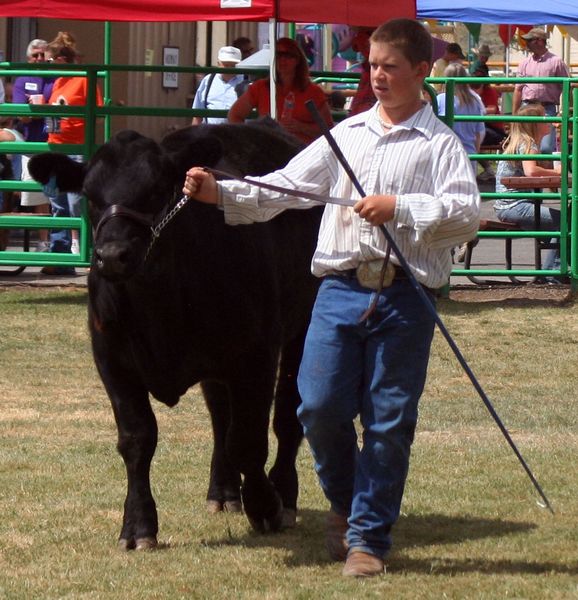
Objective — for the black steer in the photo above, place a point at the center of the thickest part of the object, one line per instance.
(224, 306)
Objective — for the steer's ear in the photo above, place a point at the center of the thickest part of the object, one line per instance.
(68, 174)
(193, 147)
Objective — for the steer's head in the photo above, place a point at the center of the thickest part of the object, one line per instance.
(127, 183)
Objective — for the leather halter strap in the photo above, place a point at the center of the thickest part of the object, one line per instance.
(118, 210)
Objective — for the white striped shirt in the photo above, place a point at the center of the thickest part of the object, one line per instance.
(420, 161)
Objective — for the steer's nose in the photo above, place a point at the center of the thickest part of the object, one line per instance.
(113, 259)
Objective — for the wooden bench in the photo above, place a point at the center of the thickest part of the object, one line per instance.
(489, 225)
(490, 149)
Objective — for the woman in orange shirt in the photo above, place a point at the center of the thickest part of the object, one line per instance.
(293, 89)
(67, 91)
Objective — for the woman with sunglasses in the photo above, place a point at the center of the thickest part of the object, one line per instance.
(293, 88)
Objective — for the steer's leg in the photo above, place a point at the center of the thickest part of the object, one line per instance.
(247, 440)
(137, 440)
(288, 430)
(225, 480)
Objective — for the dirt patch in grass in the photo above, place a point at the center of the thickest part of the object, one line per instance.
(11, 285)
(514, 294)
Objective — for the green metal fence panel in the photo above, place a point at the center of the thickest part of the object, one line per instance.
(566, 195)
(99, 116)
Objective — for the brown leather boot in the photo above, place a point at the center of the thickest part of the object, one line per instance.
(362, 564)
(335, 530)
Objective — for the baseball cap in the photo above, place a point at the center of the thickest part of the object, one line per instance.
(229, 54)
(535, 32)
(455, 49)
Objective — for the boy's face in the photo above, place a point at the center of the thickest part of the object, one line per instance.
(395, 81)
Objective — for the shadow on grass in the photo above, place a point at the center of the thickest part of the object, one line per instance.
(60, 299)
(414, 531)
(306, 545)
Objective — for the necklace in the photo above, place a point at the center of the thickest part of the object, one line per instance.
(383, 123)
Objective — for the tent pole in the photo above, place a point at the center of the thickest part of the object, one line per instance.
(209, 44)
(508, 51)
(272, 44)
(107, 78)
(327, 47)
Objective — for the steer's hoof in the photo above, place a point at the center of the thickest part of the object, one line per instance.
(214, 507)
(267, 525)
(289, 518)
(233, 506)
(145, 543)
(125, 545)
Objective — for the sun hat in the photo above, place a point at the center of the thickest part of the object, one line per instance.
(229, 54)
(535, 32)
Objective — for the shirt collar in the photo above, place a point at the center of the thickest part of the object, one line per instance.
(423, 121)
(233, 79)
(543, 57)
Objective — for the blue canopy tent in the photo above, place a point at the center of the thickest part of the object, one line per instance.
(516, 12)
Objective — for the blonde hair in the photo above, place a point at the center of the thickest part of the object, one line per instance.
(523, 132)
(462, 91)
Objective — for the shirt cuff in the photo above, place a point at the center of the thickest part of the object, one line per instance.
(401, 214)
(220, 202)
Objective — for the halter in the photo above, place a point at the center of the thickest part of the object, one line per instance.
(156, 223)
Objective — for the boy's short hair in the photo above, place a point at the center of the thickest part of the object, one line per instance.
(409, 36)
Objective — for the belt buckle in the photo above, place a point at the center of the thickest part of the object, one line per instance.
(369, 274)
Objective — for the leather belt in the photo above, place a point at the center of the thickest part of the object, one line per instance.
(398, 275)
(539, 102)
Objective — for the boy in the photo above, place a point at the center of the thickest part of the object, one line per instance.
(422, 188)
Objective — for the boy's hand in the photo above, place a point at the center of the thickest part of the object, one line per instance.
(376, 209)
(200, 185)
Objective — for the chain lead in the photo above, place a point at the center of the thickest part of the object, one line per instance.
(156, 229)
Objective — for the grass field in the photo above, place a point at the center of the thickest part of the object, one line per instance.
(471, 526)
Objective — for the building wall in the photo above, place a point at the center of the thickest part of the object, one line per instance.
(147, 41)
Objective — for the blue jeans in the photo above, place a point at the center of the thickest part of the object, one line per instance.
(64, 204)
(375, 369)
(523, 214)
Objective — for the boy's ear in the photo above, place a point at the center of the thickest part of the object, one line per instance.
(423, 69)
